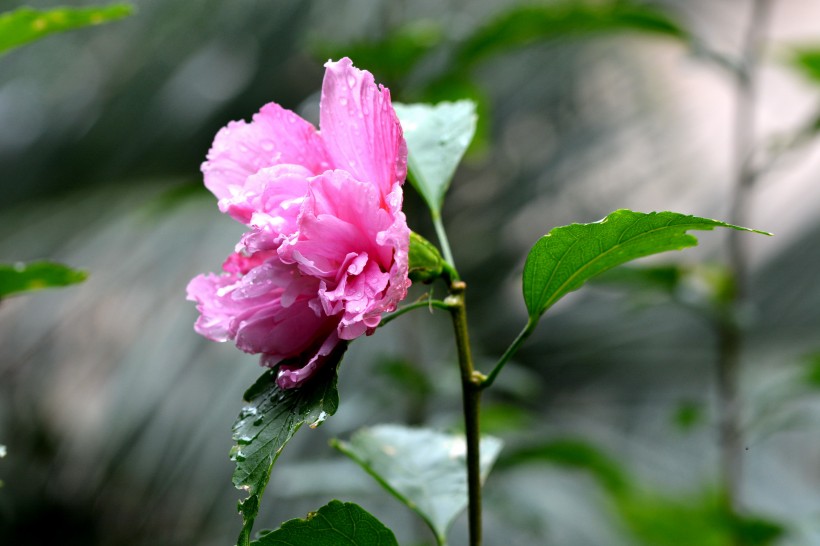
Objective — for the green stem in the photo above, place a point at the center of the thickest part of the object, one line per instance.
(445, 244)
(438, 304)
(511, 350)
(471, 395)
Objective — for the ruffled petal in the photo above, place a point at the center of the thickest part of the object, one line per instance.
(272, 197)
(216, 314)
(355, 246)
(296, 372)
(276, 136)
(359, 127)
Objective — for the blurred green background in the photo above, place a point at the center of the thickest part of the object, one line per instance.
(116, 416)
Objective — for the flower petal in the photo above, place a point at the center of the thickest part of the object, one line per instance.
(359, 126)
(276, 136)
(355, 246)
(273, 195)
(296, 372)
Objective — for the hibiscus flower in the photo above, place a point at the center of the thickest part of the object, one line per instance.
(326, 252)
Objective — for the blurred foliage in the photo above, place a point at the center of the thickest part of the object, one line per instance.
(574, 454)
(395, 58)
(523, 25)
(653, 518)
(25, 25)
(807, 60)
(688, 415)
(812, 375)
(29, 277)
(390, 58)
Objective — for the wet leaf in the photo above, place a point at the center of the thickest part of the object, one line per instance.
(424, 469)
(333, 524)
(267, 424)
(568, 256)
(25, 24)
(22, 277)
(437, 137)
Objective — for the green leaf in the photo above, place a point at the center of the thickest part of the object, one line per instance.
(568, 256)
(25, 24)
(437, 137)
(269, 421)
(807, 60)
(21, 277)
(333, 524)
(424, 469)
(524, 25)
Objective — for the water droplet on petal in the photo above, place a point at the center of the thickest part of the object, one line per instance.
(267, 145)
(343, 101)
(351, 81)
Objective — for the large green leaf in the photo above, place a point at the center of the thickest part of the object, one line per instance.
(424, 469)
(527, 24)
(437, 137)
(268, 422)
(568, 256)
(334, 524)
(22, 277)
(25, 24)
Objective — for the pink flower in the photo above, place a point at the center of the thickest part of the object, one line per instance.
(326, 253)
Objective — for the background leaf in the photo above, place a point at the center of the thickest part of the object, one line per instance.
(808, 61)
(437, 137)
(392, 57)
(523, 25)
(573, 453)
(568, 256)
(269, 421)
(424, 469)
(25, 25)
(333, 524)
(21, 277)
